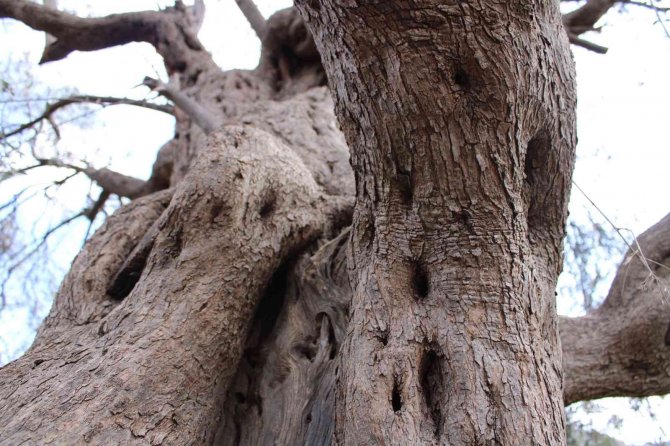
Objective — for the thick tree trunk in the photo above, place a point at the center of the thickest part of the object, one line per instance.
(460, 120)
(229, 306)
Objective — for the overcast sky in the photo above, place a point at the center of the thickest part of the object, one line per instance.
(623, 125)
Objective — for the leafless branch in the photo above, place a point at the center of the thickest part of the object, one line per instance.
(586, 44)
(253, 16)
(32, 250)
(169, 31)
(621, 348)
(100, 100)
(200, 115)
(109, 180)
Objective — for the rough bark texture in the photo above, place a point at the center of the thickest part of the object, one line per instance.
(231, 305)
(462, 159)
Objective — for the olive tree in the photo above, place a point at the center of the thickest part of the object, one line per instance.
(357, 242)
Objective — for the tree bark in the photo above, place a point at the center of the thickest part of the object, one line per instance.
(230, 305)
(462, 157)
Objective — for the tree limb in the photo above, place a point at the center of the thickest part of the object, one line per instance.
(587, 15)
(109, 180)
(200, 115)
(253, 16)
(622, 348)
(80, 99)
(586, 44)
(170, 31)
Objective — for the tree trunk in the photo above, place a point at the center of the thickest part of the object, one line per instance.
(230, 304)
(462, 155)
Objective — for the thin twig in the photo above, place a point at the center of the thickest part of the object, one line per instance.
(637, 251)
(79, 99)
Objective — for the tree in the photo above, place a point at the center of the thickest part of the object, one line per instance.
(230, 303)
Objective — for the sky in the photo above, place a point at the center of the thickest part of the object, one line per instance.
(623, 128)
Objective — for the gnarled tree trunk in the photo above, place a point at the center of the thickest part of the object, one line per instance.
(230, 303)
(463, 156)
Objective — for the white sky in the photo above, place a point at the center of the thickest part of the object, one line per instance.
(623, 123)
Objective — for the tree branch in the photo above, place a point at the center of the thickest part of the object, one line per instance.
(622, 348)
(586, 44)
(80, 99)
(170, 31)
(253, 16)
(109, 180)
(200, 115)
(587, 15)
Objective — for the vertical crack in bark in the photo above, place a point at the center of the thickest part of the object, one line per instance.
(288, 372)
(421, 281)
(268, 204)
(126, 279)
(432, 388)
(536, 182)
(396, 397)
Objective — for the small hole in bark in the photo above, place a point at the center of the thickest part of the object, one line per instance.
(461, 78)
(534, 158)
(432, 388)
(383, 337)
(215, 212)
(421, 281)
(194, 77)
(465, 219)
(240, 398)
(404, 184)
(667, 337)
(636, 365)
(370, 231)
(38, 362)
(308, 418)
(315, 5)
(396, 400)
(179, 67)
(268, 205)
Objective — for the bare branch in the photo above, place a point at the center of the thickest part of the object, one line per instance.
(621, 349)
(586, 44)
(169, 31)
(100, 100)
(118, 183)
(587, 15)
(200, 115)
(48, 38)
(253, 16)
(109, 180)
(32, 250)
(92, 212)
(197, 15)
